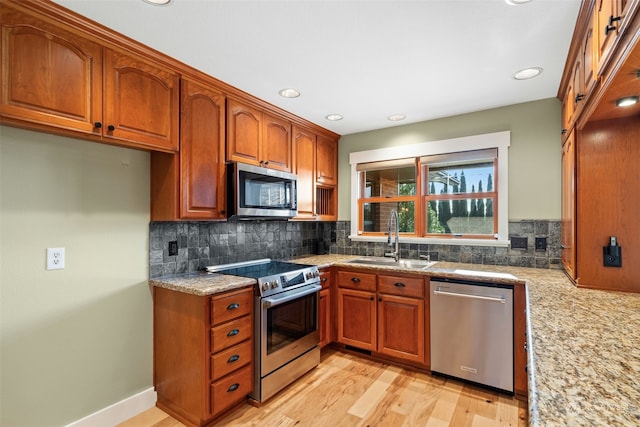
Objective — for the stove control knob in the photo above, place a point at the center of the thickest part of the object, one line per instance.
(307, 276)
(316, 273)
(265, 286)
(274, 284)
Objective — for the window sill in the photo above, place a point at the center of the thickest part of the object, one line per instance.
(436, 241)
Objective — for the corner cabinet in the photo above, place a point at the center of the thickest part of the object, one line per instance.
(191, 184)
(258, 138)
(315, 159)
(203, 353)
(385, 314)
(57, 79)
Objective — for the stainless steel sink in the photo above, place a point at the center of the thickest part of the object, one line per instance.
(386, 262)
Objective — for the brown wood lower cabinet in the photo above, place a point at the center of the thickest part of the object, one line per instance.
(203, 352)
(384, 314)
(324, 309)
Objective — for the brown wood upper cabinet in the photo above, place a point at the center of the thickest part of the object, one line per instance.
(609, 21)
(191, 184)
(258, 138)
(56, 79)
(326, 161)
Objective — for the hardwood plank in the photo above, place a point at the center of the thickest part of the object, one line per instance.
(348, 390)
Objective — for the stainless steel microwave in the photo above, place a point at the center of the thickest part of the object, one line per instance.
(257, 192)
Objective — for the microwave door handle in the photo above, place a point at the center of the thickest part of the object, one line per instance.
(272, 302)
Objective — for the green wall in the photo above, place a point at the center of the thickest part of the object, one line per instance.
(534, 154)
(77, 340)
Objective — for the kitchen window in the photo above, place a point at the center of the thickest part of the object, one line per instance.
(447, 192)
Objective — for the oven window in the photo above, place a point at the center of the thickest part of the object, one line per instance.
(291, 321)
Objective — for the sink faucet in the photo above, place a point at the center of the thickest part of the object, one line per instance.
(395, 254)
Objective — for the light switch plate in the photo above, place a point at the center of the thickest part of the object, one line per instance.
(55, 258)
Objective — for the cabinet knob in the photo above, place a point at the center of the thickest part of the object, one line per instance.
(97, 125)
(323, 280)
(111, 128)
(563, 131)
(371, 298)
(266, 163)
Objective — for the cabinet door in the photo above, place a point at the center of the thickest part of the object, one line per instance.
(276, 144)
(141, 102)
(401, 327)
(50, 76)
(327, 161)
(304, 149)
(357, 318)
(244, 133)
(606, 28)
(568, 237)
(202, 124)
(324, 316)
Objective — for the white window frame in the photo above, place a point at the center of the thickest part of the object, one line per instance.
(499, 140)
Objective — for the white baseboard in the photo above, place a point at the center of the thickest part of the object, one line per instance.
(119, 411)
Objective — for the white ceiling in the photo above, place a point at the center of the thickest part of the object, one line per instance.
(363, 59)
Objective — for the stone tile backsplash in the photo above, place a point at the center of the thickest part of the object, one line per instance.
(211, 243)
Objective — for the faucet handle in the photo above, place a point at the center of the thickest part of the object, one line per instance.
(427, 257)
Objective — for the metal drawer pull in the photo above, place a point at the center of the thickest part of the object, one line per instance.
(233, 332)
(482, 297)
(399, 285)
(355, 279)
(233, 358)
(324, 279)
(233, 387)
(233, 306)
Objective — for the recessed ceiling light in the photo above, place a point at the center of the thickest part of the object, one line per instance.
(396, 117)
(516, 2)
(527, 73)
(627, 101)
(158, 2)
(289, 93)
(333, 117)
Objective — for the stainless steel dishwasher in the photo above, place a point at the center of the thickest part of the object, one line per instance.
(472, 331)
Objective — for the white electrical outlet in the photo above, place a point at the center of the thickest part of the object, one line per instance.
(55, 258)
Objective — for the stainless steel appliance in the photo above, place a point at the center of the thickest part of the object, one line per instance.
(472, 331)
(286, 321)
(260, 192)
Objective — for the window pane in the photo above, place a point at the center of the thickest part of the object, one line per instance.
(460, 217)
(376, 216)
(390, 182)
(470, 178)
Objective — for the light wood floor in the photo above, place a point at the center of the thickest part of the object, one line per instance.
(349, 390)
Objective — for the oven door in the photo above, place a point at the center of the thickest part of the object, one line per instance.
(289, 326)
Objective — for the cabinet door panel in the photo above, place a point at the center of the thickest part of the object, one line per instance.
(140, 101)
(305, 153)
(327, 161)
(244, 126)
(401, 328)
(276, 146)
(50, 76)
(202, 152)
(357, 318)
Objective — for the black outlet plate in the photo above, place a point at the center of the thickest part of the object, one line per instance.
(611, 260)
(518, 242)
(541, 243)
(173, 248)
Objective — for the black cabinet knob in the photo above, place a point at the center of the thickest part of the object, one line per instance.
(111, 128)
(97, 125)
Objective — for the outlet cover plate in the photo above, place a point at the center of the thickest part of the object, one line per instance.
(519, 242)
(55, 258)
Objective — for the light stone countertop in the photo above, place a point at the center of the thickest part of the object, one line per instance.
(583, 345)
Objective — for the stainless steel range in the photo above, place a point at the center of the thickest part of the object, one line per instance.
(286, 321)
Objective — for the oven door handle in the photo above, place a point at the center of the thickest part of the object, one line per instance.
(308, 290)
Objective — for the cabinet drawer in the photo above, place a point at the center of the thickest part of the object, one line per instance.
(404, 286)
(230, 333)
(354, 280)
(325, 279)
(230, 359)
(231, 306)
(231, 389)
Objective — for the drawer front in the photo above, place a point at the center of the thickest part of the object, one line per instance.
(356, 280)
(230, 359)
(231, 390)
(404, 286)
(230, 333)
(325, 279)
(230, 306)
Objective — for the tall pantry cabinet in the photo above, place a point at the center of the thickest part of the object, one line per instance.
(600, 153)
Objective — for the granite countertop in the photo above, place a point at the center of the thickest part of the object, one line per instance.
(584, 353)
(202, 283)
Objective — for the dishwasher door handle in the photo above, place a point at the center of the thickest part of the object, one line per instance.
(472, 296)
